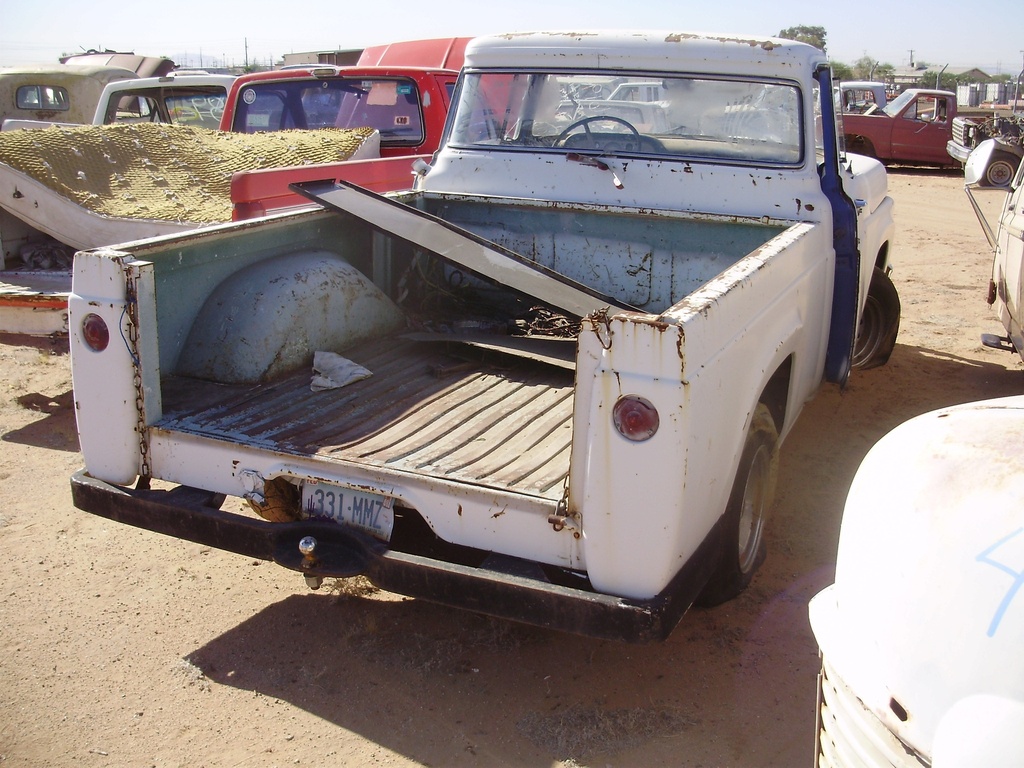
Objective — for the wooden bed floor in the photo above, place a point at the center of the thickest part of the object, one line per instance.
(501, 422)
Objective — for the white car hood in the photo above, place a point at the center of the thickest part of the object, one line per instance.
(925, 621)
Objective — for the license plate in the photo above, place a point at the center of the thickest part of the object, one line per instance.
(366, 511)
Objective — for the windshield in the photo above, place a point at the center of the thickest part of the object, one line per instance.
(677, 117)
(391, 105)
(894, 107)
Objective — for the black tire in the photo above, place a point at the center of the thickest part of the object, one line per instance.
(859, 145)
(753, 490)
(879, 323)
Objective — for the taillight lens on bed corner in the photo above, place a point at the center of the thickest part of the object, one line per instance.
(95, 332)
(635, 418)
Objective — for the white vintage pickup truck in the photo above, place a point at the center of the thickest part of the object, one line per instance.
(550, 382)
(1006, 286)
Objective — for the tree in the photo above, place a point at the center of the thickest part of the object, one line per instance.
(841, 71)
(812, 35)
(934, 78)
(864, 68)
(885, 72)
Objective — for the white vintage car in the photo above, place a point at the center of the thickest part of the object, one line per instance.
(920, 634)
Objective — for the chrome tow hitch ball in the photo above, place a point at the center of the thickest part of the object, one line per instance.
(307, 546)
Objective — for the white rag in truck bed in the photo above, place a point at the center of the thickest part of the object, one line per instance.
(331, 371)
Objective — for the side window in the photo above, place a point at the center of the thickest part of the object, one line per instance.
(42, 97)
(929, 109)
(128, 109)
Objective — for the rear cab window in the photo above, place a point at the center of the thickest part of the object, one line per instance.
(200, 106)
(392, 106)
(38, 97)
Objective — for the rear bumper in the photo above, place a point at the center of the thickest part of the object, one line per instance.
(193, 515)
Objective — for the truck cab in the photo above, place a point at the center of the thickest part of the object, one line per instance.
(58, 93)
(406, 105)
(913, 128)
(182, 97)
(862, 96)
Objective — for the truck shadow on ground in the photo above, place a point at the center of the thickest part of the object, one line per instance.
(917, 380)
(56, 344)
(56, 430)
(448, 687)
(920, 170)
(443, 687)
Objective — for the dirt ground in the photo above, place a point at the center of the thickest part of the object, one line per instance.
(119, 647)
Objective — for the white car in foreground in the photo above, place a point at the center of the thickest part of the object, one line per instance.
(921, 635)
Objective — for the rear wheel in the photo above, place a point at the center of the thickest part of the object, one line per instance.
(859, 145)
(879, 323)
(743, 545)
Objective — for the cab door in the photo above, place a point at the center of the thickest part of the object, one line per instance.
(921, 131)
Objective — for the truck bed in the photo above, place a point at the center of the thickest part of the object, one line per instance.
(497, 420)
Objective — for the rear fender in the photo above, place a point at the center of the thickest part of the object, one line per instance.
(115, 388)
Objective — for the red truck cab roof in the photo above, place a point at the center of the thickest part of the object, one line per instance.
(443, 52)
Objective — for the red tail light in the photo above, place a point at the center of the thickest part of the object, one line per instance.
(95, 332)
(635, 418)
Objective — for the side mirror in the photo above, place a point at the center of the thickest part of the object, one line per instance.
(990, 165)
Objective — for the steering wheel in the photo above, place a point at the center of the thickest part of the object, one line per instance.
(632, 146)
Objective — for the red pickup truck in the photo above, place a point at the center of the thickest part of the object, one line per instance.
(402, 89)
(407, 106)
(912, 129)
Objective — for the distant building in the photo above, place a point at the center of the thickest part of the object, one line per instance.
(968, 74)
(338, 58)
(908, 77)
(974, 86)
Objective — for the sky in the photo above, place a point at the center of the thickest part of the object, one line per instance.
(203, 33)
